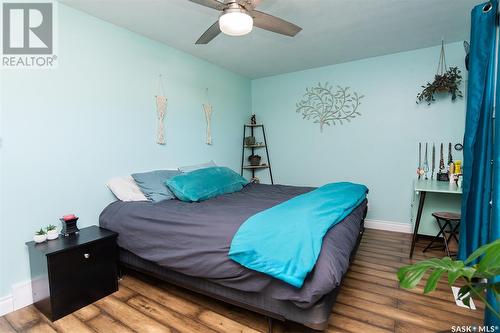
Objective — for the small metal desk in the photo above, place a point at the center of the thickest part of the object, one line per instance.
(423, 186)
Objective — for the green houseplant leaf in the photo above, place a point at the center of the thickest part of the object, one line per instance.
(433, 280)
(474, 277)
(51, 227)
(40, 232)
(481, 250)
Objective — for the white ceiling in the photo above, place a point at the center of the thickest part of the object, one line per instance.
(334, 31)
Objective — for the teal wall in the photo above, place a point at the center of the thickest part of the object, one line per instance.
(66, 131)
(378, 148)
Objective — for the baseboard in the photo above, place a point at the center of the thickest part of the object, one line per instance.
(6, 305)
(21, 296)
(389, 226)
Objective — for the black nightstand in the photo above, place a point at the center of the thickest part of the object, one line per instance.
(71, 272)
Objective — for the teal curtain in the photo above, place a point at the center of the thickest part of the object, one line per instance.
(495, 218)
(480, 223)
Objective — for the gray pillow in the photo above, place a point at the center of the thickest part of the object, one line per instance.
(152, 184)
(194, 167)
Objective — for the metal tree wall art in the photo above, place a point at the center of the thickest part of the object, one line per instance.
(328, 107)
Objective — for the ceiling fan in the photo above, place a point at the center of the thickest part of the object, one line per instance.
(238, 18)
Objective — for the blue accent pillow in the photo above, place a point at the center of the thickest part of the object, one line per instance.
(205, 183)
(194, 167)
(152, 184)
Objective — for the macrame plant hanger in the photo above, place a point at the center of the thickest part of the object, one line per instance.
(207, 109)
(442, 61)
(161, 110)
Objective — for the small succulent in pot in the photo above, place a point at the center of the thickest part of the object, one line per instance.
(40, 236)
(254, 160)
(52, 232)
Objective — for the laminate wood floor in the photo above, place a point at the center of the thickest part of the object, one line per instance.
(370, 301)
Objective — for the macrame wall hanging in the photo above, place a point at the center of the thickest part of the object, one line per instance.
(207, 109)
(161, 110)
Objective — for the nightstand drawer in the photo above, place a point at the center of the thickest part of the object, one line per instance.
(82, 275)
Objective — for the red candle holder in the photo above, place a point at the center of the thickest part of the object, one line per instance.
(69, 226)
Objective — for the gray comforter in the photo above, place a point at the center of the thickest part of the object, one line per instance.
(194, 239)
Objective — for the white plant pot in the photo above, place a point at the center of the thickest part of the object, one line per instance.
(40, 238)
(52, 234)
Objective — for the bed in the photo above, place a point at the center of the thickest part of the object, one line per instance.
(187, 244)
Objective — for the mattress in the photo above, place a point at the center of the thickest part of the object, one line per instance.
(194, 239)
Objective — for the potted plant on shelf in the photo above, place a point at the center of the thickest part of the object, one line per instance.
(446, 80)
(254, 160)
(249, 141)
(52, 232)
(476, 278)
(40, 236)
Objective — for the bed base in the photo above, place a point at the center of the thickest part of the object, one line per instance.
(315, 317)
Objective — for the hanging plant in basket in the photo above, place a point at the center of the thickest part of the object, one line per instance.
(446, 80)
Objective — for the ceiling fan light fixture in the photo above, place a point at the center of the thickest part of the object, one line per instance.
(236, 23)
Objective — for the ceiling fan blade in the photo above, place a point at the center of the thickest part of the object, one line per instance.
(210, 34)
(249, 4)
(256, 3)
(214, 4)
(274, 24)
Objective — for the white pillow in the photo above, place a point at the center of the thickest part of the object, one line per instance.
(190, 168)
(125, 189)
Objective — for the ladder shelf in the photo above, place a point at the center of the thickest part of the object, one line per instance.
(253, 168)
